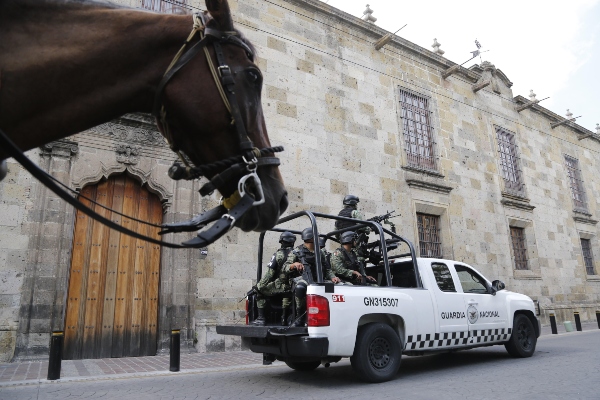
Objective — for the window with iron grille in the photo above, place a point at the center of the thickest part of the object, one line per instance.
(417, 129)
(509, 162)
(166, 6)
(588, 257)
(576, 183)
(519, 246)
(430, 242)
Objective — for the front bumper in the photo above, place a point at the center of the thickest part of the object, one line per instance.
(278, 341)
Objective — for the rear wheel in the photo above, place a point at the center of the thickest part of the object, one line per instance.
(303, 365)
(523, 338)
(377, 353)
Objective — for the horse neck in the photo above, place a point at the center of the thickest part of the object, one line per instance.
(66, 67)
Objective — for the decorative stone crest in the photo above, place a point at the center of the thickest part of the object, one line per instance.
(489, 74)
(60, 148)
(128, 154)
(130, 134)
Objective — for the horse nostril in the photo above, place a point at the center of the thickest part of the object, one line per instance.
(283, 205)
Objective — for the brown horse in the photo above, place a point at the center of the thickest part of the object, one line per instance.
(67, 65)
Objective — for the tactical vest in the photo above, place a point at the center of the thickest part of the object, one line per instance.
(345, 212)
(273, 264)
(351, 261)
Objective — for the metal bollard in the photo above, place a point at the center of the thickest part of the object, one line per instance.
(577, 321)
(598, 318)
(56, 345)
(175, 350)
(553, 324)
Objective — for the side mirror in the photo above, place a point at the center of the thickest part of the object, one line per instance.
(498, 285)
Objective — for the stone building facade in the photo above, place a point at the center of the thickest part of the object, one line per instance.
(512, 192)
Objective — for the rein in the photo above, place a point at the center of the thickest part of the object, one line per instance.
(232, 208)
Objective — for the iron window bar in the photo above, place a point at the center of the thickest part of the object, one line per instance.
(588, 256)
(509, 162)
(417, 131)
(576, 182)
(430, 244)
(519, 248)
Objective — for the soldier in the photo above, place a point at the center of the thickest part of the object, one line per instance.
(270, 284)
(302, 262)
(345, 262)
(349, 211)
(327, 252)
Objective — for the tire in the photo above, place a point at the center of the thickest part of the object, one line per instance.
(377, 353)
(303, 365)
(523, 338)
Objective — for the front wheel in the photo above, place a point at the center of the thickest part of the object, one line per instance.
(523, 338)
(303, 365)
(377, 353)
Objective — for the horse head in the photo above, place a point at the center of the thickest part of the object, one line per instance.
(206, 131)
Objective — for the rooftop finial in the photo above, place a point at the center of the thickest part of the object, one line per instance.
(532, 95)
(597, 129)
(436, 47)
(368, 15)
(569, 114)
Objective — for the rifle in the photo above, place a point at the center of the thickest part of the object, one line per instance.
(385, 218)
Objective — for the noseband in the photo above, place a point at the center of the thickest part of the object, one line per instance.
(245, 165)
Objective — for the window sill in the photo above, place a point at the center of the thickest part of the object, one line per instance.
(527, 274)
(426, 180)
(423, 171)
(583, 217)
(516, 201)
(593, 278)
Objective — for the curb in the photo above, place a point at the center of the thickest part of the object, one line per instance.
(134, 375)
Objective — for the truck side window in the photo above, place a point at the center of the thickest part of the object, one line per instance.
(470, 281)
(443, 277)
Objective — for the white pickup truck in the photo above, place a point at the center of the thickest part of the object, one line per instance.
(420, 305)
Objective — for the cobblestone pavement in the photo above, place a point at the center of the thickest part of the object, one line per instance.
(564, 366)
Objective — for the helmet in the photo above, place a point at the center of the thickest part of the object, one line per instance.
(321, 242)
(287, 238)
(347, 237)
(307, 234)
(350, 200)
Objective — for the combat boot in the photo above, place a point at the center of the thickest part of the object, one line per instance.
(284, 316)
(260, 320)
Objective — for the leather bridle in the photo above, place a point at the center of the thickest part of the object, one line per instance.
(244, 165)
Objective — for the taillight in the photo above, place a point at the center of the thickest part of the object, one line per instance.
(246, 312)
(318, 310)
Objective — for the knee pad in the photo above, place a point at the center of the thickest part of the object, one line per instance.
(300, 290)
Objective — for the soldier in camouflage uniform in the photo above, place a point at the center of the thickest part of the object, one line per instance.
(345, 261)
(271, 284)
(349, 211)
(294, 268)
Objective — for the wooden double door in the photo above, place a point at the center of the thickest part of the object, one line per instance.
(112, 300)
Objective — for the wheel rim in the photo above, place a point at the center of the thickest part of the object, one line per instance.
(524, 335)
(380, 351)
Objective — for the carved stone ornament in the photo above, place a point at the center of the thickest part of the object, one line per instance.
(61, 148)
(489, 74)
(128, 154)
(130, 134)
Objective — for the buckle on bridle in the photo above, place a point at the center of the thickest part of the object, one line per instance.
(251, 165)
(257, 184)
(221, 68)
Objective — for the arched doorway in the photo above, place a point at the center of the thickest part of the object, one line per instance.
(112, 300)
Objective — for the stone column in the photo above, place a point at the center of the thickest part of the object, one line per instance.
(50, 228)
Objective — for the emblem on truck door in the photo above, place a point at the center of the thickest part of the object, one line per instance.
(472, 314)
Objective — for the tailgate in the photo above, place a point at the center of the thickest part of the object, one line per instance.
(260, 331)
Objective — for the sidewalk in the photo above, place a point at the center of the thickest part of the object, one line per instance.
(34, 372)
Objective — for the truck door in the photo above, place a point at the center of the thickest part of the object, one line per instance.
(486, 313)
(450, 308)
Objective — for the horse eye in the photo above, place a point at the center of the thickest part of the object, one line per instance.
(253, 76)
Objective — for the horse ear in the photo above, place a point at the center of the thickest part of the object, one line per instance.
(219, 10)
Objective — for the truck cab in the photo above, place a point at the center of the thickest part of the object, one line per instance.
(419, 306)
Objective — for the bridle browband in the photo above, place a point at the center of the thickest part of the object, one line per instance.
(245, 165)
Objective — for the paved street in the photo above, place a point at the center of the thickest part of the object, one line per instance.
(564, 366)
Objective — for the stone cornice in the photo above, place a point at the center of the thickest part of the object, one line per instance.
(517, 202)
(553, 117)
(61, 148)
(377, 33)
(584, 218)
